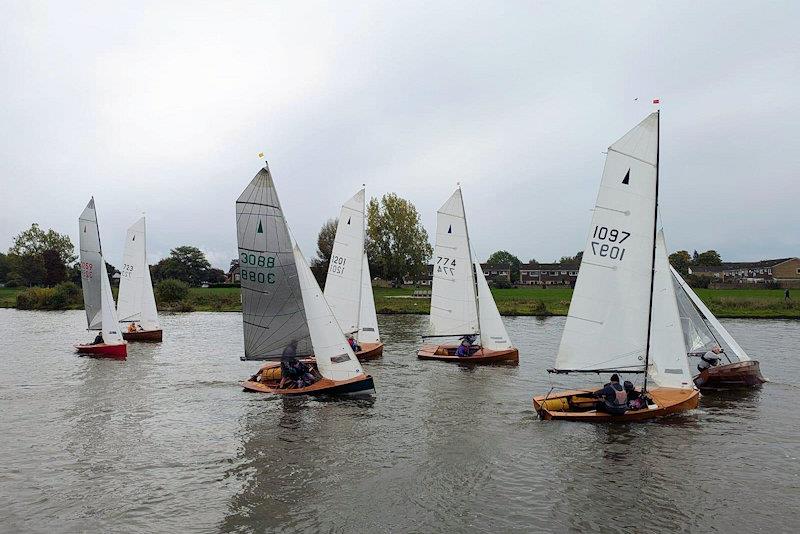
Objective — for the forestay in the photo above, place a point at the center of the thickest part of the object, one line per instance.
(136, 302)
(493, 333)
(91, 263)
(697, 336)
(272, 305)
(453, 300)
(335, 359)
(668, 364)
(343, 285)
(714, 323)
(110, 323)
(607, 323)
(368, 322)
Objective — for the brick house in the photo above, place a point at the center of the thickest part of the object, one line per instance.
(548, 274)
(779, 270)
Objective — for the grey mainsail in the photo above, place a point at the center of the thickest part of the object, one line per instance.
(272, 304)
(91, 262)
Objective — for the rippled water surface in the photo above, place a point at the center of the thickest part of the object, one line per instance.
(166, 441)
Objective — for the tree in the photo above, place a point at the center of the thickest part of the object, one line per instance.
(5, 267)
(572, 260)
(55, 271)
(325, 239)
(503, 258)
(171, 290)
(680, 261)
(215, 276)
(34, 241)
(28, 269)
(709, 257)
(397, 243)
(184, 263)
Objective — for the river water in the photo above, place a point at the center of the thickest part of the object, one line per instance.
(167, 442)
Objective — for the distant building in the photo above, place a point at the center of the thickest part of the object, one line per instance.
(233, 276)
(492, 271)
(753, 272)
(425, 280)
(548, 274)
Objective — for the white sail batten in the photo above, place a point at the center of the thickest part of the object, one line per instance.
(368, 322)
(272, 304)
(91, 263)
(454, 308)
(737, 350)
(110, 323)
(668, 364)
(334, 357)
(343, 284)
(607, 323)
(493, 332)
(136, 302)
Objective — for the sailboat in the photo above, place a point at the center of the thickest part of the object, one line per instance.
(461, 302)
(623, 317)
(699, 325)
(136, 304)
(283, 309)
(348, 286)
(98, 300)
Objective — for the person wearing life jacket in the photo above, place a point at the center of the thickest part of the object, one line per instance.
(614, 398)
(709, 359)
(465, 348)
(636, 400)
(353, 343)
(132, 328)
(98, 340)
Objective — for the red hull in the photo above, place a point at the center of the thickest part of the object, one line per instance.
(144, 335)
(731, 375)
(446, 353)
(118, 351)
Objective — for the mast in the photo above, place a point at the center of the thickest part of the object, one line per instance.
(471, 265)
(361, 263)
(653, 270)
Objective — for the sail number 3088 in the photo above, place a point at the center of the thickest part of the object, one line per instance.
(608, 250)
(257, 260)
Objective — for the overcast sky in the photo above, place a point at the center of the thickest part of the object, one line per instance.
(162, 107)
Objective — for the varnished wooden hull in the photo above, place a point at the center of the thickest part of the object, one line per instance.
(669, 401)
(370, 351)
(446, 353)
(144, 335)
(731, 375)
(117, 351)
(359, 385)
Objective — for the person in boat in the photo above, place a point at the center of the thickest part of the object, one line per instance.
(294, 373)
(614, 398)
(709, 359)
(636, 400)
(132, 328)
(353, 343)
(465, 348)
(98, 339)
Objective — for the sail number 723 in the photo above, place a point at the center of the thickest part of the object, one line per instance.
(256, 261)
(614, 238)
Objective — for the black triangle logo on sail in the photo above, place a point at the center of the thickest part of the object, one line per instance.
(348, 220)
(134, 238)
(260, 228)
(84, 229)
(450, 229)
(627, 178)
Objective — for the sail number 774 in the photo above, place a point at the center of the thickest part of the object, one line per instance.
(611, 248)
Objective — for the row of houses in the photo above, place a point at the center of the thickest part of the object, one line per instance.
(565, 274)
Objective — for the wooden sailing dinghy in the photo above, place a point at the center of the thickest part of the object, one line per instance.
(461, 302)
(348, 285)
(283, 309)
(623, 317)
(699, 327)
(98, 301)
(136, 304)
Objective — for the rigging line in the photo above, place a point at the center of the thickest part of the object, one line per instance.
(634, 157)
(612, 267)
(624, 212)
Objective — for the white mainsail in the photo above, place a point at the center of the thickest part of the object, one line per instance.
(110, 323)
(343, 285)
(272, 304)
(697, 336)
(454, 307)
(493, 333)
(607, 323)
(668, 364)
(335, 359)
(91, 266)
(368, 322)
(136, 302)
(706, 314)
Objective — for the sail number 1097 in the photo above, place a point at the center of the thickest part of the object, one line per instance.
(256, 261)
(614, 238)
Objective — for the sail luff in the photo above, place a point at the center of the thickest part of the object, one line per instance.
(368, 322)
(494, 335)
(653, 269)
(91, 262)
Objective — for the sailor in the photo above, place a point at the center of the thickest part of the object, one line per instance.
(709, 359)
(294, 373)
(353, 343)
(635, 399)
(615, 400)
(465, 347)
(98, 340)
(132, 327)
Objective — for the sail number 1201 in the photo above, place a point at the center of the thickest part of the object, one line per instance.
(256, 261)
(614, 238)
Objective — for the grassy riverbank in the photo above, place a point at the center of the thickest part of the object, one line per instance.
(754, 303)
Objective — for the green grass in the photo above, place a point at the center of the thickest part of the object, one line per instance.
(755, 303)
